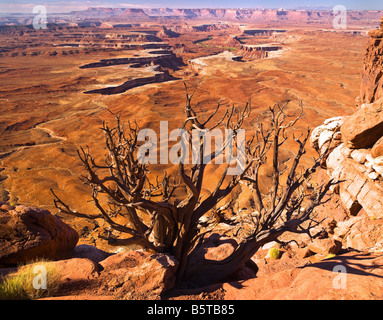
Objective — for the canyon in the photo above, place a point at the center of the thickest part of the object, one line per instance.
(60, 84)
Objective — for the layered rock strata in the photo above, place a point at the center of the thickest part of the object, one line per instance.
(356, 152)
(359, 171)
(372, 80)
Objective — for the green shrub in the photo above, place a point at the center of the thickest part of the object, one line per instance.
(274, 253)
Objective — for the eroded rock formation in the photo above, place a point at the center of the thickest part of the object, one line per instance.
(372, 80)
(359, 172)
(229, 14)
(356, 158)
(137, 82)
(255, 51)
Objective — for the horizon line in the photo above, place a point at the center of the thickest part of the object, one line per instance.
(329, 8)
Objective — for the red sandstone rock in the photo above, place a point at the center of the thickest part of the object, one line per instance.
(76, 269)
(325, 246)
(28, 233)
(372, 80)
(356, 189)
(377, 149)
(124, 260)
(360, 233)
(364, 127)
(361, 280)
(138, 274)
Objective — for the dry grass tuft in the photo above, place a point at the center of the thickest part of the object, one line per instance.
(35, 280)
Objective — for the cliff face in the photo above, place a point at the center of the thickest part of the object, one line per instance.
(372, 80)
(255, 15)
(356, 159)
(250, 52)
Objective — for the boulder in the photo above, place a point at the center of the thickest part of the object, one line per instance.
(28, 233)
(325, 246)
(370, 198)
(360, 233)
(124, 260)
(336, 158)
(329, 131)
(377, 149)
(343, 227)
(138, 274)
(364, 127)
(76, 269)
(359, 155)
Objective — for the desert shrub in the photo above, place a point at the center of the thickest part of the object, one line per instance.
(27, 283)
(274, 253)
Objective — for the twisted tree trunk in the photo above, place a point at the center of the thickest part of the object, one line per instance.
(174, 222)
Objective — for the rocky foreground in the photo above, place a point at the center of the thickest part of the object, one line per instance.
(341, 261)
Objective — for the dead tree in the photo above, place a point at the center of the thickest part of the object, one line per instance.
(161, 220)
(286, 206)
